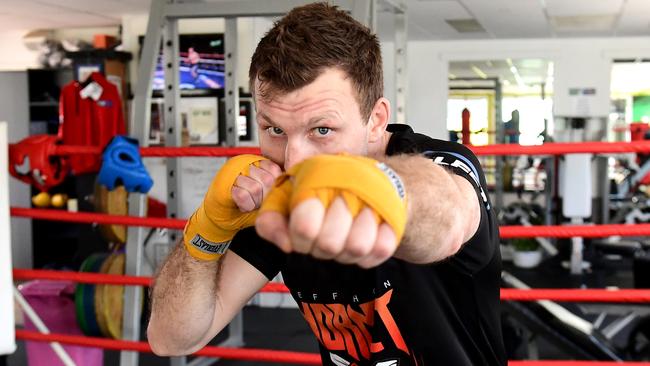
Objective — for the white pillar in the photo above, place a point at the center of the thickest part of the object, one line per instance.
(576, 191)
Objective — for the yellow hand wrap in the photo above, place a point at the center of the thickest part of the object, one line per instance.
(208, 232)
(360, 181)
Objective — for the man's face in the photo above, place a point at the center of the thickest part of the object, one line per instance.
(320, 118)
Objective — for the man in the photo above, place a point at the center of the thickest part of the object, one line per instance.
(389, 249)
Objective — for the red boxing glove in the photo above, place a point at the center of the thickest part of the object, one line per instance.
(32, 160)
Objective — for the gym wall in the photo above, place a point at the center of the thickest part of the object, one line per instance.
(428, 67)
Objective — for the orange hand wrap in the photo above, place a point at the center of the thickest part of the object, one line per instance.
(210, 229)
(360, 181)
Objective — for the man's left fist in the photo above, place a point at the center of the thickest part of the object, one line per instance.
(351, 209)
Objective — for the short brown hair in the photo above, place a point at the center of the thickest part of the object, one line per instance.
(310, 39)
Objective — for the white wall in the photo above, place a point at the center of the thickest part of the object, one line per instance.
(15, 56)
(428, 67)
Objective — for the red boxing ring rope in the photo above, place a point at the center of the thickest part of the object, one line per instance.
(506, 232)
(89, 218)
(252, 354)
(577, 295)
(569, 231)
(81, 277)
(107, 279)
(198, 151)
(564, 148)
(165, 151)
(580, 295)
(575, 363)
(242, 354)
(496, 149)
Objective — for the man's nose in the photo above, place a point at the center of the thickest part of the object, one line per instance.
(294, 154)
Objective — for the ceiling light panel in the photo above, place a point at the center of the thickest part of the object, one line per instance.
(479, 72)
(465, 25)
(583, 7)
(584, 23)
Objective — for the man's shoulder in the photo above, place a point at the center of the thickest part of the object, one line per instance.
(405, 140)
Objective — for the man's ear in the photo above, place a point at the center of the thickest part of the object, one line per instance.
(378, 121)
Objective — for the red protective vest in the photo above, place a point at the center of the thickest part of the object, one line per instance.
(86, 122)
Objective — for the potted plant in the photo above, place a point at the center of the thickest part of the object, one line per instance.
(527, 253)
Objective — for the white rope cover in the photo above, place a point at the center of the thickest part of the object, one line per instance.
(7, 323)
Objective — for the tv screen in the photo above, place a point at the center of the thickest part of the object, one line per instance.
(201, 63)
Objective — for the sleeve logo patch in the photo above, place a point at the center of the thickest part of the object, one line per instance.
(209, 247)
(454, 160)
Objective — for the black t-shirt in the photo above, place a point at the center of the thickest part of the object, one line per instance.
(399, 313)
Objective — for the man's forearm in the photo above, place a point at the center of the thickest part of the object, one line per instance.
(183, 300)
(439, 215)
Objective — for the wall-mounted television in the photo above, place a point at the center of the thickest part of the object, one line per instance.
(201, 63)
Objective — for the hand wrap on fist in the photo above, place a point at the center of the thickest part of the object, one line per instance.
(209, 231)
(359, 181)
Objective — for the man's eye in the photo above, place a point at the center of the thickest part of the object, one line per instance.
(276, 131)
(323, 131)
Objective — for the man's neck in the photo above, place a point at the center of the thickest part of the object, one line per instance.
(377, 150)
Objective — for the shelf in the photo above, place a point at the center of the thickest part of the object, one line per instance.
(43, 104)
(100, 53)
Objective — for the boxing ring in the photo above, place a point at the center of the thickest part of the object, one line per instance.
(163, 28)
(8, 333)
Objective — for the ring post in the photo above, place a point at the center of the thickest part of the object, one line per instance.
(7, 321)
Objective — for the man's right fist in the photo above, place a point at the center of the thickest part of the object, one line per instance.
(230, 205)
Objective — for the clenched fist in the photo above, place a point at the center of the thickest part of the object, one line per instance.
(231, 204)
(350, 209)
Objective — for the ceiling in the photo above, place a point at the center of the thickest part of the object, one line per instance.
(484, 19)
(428, 19)
(57, 14)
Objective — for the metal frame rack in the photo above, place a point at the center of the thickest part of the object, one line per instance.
(398, 9)
(163, 26)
